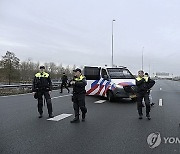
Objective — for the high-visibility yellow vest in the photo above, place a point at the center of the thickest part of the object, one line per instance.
(139, 78)
(44, 75)
(80, 78)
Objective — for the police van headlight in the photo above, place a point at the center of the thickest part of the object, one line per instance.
(118, 86)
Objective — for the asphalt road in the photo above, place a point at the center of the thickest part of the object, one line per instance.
(110, 128)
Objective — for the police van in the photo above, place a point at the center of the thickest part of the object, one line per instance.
(110, 82)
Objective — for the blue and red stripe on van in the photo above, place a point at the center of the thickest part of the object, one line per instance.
(94, 85)
(107, 85)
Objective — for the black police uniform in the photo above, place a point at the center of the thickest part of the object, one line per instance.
(64, 80)
(42, 85)
(78, 97)
(143, 87)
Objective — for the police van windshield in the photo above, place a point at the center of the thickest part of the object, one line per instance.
(119, 73)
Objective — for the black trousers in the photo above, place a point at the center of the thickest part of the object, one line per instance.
(79, 103)
(40, 102)
(140, 97)
(64, 84)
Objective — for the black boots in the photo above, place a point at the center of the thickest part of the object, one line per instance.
(75, 120)
(152, 104)
(40, 116)
(140, 116)
(148, 116)
(83, 116)
(51, 116)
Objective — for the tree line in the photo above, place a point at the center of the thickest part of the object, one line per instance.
(12, 70)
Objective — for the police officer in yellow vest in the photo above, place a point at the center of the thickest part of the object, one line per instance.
(78, 98)
(42, 85)
(143, 84)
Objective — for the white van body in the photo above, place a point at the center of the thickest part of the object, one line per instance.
(110, 82)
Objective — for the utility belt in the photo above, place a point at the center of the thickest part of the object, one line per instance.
(43, 89)
(144, 92)
(79, 95)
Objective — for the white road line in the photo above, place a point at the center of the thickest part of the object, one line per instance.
(59, 117)
(61, 96)
(160, 102)
(100, 101)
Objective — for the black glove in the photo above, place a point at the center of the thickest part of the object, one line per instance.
(36, 95)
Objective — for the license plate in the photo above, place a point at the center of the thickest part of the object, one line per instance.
(132, 96)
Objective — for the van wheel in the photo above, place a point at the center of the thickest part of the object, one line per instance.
(110, 96)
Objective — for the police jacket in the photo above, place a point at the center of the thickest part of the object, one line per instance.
(42, 81)
(144, 84)
(79, 86)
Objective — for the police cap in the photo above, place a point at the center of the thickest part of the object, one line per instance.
(42, 67)
(77, 70)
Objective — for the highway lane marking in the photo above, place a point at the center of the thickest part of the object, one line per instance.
(61, 96)
(100, 101)
(160, 102)
(60, 117)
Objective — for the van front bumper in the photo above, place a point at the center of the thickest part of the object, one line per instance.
(121, 93)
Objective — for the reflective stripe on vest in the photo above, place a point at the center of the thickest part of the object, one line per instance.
(44, 75)
(80, 78)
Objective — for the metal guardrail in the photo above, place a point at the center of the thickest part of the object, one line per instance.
(54, 84)
(16, 86)
(21, 88)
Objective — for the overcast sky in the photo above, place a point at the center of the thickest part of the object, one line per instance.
(80, 32)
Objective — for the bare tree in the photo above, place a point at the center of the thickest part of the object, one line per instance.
(10, 66)
(12, 70)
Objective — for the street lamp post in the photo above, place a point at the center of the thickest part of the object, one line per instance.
(149, 69)
(142, 57)
(112, 42)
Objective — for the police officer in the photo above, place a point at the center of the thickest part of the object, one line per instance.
(78, 98)
(42, 85)
(143, 84)
(64, 80)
